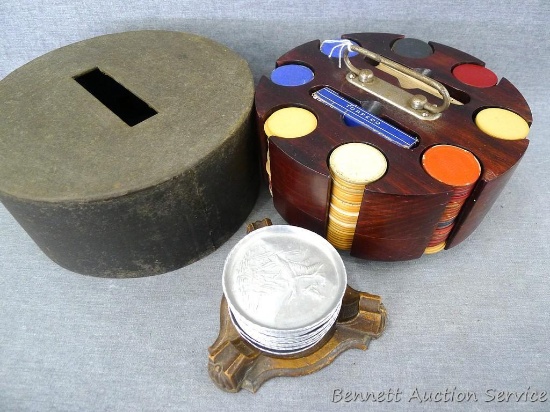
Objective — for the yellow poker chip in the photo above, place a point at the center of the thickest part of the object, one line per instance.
(343, 218)
(339, 242)
(348, 228)
(350, 213)
(350, 187)
(502, 124)
(344, 237)
(347, 197)
(347, 206)
(334, 237)
(434, 249)
(290, 123)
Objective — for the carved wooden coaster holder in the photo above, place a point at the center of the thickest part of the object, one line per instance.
(235, 364)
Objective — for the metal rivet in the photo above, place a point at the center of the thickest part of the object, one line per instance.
(366, 76)
(418, 101)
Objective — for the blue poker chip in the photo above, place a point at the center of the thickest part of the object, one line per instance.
(335, 48)
(445, 223)
(292, 75)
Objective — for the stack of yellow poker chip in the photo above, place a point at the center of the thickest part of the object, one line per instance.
(288, 123)
(352, 166)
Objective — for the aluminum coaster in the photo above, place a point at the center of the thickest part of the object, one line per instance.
(284, 278)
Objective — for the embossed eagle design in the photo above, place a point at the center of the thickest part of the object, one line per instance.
(292, 274)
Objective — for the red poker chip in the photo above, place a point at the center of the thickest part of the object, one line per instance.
(475, 75)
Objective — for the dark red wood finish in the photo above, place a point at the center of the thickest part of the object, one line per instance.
(400, 211)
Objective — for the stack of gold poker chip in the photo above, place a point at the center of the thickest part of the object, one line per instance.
(456, 167)
(352, 166)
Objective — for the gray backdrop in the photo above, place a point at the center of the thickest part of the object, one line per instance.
(474, 318)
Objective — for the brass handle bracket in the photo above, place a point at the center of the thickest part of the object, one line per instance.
(414, 104)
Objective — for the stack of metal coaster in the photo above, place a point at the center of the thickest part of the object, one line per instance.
(284, 286)
(352, 166)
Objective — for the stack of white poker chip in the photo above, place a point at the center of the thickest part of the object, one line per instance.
(352, 166)
(284, 287)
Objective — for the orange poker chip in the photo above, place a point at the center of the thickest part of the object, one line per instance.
(451, 165)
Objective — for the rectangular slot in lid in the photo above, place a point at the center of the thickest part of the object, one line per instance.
(121, 101)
